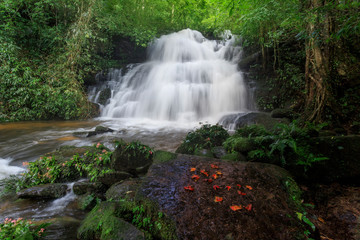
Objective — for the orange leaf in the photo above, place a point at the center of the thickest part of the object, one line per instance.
(192, 169)
(214, 176)
(216, 187)
(321, 219)
(248, 207)
(249, 187)
(236, 207)
(214, 166)
(208, 180)
(228, 188)
(189, 188)
(205, 173)
(218, 199)
(195, 177)
(218, 173)
(241, 193)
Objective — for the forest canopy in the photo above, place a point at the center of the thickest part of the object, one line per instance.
(49, 49)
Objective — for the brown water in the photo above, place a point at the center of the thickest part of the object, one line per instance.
(27, 141)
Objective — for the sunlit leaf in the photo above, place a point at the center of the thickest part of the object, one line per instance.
(236, 207)
(192, 169)
(204, 172)
(216, 187)
(195, 177)
(218, 199)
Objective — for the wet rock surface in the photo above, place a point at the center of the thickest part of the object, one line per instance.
(98, 130)
(46, 191)
(264, 196)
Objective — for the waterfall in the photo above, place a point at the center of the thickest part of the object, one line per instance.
(187, 78)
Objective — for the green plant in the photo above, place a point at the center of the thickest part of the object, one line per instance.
(206, 137)
(22, 229)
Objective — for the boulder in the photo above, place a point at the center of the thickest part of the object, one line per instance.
(111, 178)
(84, 187)
(45, 191)
(244, 201)
(123, 189)
(104, 96)
(235, 121)
(98, 130)
(282, 113)
(102, 223)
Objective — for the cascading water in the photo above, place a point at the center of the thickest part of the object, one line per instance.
(186, 79)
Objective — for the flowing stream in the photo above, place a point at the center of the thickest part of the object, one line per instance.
(186, 80)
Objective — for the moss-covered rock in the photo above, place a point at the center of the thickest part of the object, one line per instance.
(102, 223)
(45, 191)
(163, 156)
(239, 144)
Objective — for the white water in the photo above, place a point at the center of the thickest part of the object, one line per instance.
(186, 79)
(6, 170)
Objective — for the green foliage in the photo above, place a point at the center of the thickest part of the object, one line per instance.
(206, 137)
(48, 169)
(285, 145)
(22, 229)
(135, 150)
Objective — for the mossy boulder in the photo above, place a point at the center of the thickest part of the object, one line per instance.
(123, 190)
(104, 96)
(111, 178)
(102, 223)
(134, 158)
(86, 186)
(163, 156)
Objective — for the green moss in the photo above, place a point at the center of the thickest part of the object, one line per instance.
(238, 144)
(163, 156)
(234, 156)
(294, 192)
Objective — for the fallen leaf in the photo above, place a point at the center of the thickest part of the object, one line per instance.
(218, 199)
(236, 207)
(321, 219)
(216, 187)
(248, 207)
(249, 187)
(208, 180)
(214, 176)
(204, 172)
(218, 173)
(228, 188)
(192, 169)
(189, 188)
(238, 185)
(214, 166)
(241, 193)
(195, 177)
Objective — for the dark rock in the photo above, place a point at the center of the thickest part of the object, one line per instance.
(274, 196)
(203, 152)
(340, 131)
(111, 178)
(102, 223)
(134, 163)
(343, 164)
(86, 201)
(218, 152)
(94, 110)
(282, 113)
(46, 191)
(104, 96)
(326, 133)
(98, 130)
(355, 128)
(235, 121)
(123, 190)
(84, 187)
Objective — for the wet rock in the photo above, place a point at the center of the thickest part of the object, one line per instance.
(343, 164)
(84, 187)
(235, 121)
(46, 191)
(203, 152)
(104, 96)
(282, 113)
(124, 189)
(102, 223)
(113, 177)
(269, 189)
(87, 201)
(98, 130)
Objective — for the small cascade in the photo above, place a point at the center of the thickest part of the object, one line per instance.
(187, 78)
(6, 170)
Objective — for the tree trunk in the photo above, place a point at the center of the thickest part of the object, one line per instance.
(317, 74)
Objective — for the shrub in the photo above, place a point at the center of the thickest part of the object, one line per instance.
(21, 229)
(206, 137)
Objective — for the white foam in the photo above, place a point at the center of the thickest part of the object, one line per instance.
(6, 170)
